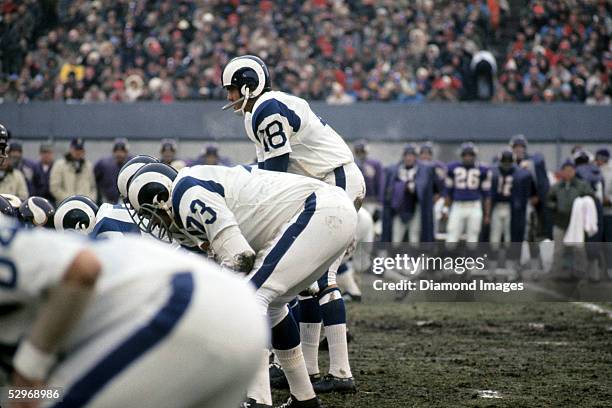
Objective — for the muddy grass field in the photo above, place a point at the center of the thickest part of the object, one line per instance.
(417, 354)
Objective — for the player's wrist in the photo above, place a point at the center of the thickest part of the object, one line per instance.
(32, 362)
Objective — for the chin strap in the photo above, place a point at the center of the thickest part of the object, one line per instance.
(244, 99)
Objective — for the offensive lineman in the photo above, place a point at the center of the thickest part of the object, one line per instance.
(290, 137)
(262, 224)
(125, 322)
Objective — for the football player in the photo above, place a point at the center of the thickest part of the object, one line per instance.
(536, 165)
(426, 154)
(136, 324)
(468, 200)
(410, 187)
(262, 224)
(290, 137)
(512, 188)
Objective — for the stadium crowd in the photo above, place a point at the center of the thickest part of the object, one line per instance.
(341, 52)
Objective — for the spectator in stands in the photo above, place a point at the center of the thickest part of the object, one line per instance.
(12, 181)
(73, 174)
(168, 154)
(484, 70)
(42, 171)
(374, 50)
(560, 48)
(184, 47)
(339, 96)
(107, 169)
(26, 166)
(560, 200)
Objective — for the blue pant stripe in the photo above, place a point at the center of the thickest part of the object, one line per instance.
(285, 242)
(134, 347)
(340, 177)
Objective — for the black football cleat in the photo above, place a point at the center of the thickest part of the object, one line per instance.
(329, 383)
(278, 381)
(251, 403)
(294, 403)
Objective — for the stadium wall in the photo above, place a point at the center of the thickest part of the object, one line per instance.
(554, 127)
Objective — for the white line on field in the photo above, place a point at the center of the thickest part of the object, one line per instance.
(595, 308)
(585, 305)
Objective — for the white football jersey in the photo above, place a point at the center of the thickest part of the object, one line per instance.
(112, 221)
(135, 274)
(281, 123)
(208, 199)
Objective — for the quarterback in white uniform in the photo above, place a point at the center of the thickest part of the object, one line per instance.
(260, 223)
(125, 322)
(290, 137)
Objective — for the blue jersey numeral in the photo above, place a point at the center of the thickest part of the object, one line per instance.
(8, 273)
(273, 138)
(203, 208)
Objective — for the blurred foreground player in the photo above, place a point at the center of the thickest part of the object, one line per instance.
(125, 322)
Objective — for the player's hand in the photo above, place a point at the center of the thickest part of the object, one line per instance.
(534, 200)
(445, 212)
(244, 262)
(486, 220)
(19, 381)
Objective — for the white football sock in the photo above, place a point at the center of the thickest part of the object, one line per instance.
(292, 362)
(259, 389)
(338, 351)
(310, 335)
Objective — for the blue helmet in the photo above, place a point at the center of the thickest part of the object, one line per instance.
(76, 213)
(468, 148)
(6, 208)
(506, 156)
(37, 212)
(5, 135)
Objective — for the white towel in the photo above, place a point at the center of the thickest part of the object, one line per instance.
(583, 220)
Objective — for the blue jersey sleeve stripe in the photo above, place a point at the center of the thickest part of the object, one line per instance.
(109, 224)
(271, 107)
